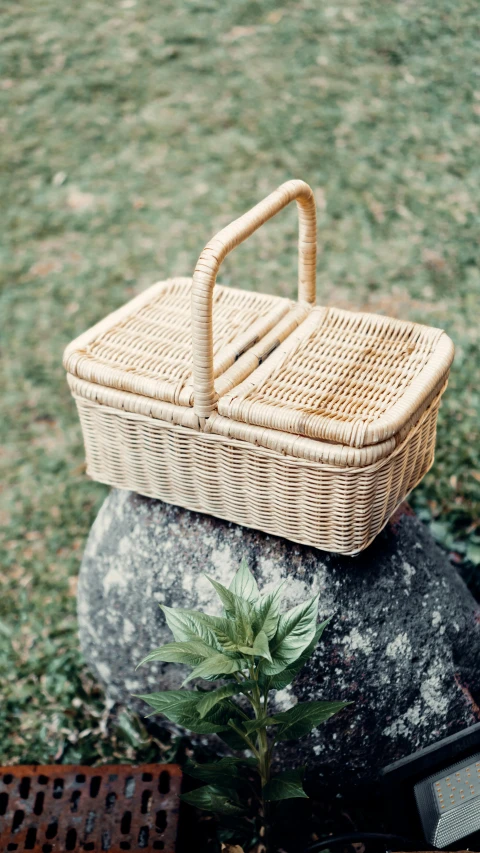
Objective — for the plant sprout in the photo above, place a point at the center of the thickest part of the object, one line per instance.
(252, 649)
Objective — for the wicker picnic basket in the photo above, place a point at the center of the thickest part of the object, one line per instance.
(307, 422)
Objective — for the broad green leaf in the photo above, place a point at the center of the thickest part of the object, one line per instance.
(286, 676)
(473, 553)
(226, 635)
(213, 697)
(189, 625)
(173, 703)
(260, 646)
(223, 714)
(239, 612)
(191, 652)
(229, 771)
(302, 718)
(260, 723)
(180, 707)
(246, 764)
(244, 584)
(267, 612)
(230, 762)
(285, 786)
(295, 632)
(246, 650)
(214, 799)
(216, 666)
(227, 598)
(243, 622)
(232, 739)
(259, 649)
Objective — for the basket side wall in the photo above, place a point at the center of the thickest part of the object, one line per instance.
(339, 510)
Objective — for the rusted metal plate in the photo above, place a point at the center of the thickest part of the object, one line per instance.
(44, 809)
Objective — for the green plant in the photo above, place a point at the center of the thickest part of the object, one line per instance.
(253, 649)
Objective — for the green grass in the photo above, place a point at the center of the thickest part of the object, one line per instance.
(133, 130)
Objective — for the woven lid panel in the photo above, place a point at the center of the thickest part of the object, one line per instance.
(352, 378)
(146, 346)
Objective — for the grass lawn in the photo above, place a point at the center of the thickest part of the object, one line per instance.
(132, 130)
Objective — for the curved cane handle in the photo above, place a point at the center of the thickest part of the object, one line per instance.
(209, 263)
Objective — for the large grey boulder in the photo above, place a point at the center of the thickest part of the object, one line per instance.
(404, 644)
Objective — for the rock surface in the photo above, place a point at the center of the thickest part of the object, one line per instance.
(404, 644)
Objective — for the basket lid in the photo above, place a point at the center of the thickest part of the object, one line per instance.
(346, 377)
(146, 346)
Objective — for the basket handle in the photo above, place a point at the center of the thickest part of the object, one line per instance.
(209, 263)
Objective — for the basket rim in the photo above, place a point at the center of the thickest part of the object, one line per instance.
(294, 450)
(260, 357)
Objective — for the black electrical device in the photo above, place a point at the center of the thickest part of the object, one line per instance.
(435, 793)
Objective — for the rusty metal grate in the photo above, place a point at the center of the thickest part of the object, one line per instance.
(46, 809)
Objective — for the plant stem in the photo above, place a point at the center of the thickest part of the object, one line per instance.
(245, 738)
(264, 755)
(237, 709)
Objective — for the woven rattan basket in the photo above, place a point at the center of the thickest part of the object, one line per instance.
(306, 422)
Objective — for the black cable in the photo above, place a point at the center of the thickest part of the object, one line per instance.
(355, 837)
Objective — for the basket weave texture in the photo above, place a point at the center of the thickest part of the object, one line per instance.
(306, 422)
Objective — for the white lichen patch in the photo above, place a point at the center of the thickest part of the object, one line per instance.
(355, 642)
(296, 589)
(436, 618)
(432, 703)
(133, 684)
(400, 647)
(159, 596)
(432, 692)
(224, 563)
(188, 579)
(88, 627)
(406, 724)
(83, 605)
(284, 699)
(125, 546)
(408, 572)
(128, 630)
(269, 573)
(206, 595)
(103, 670)
(114, 578)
